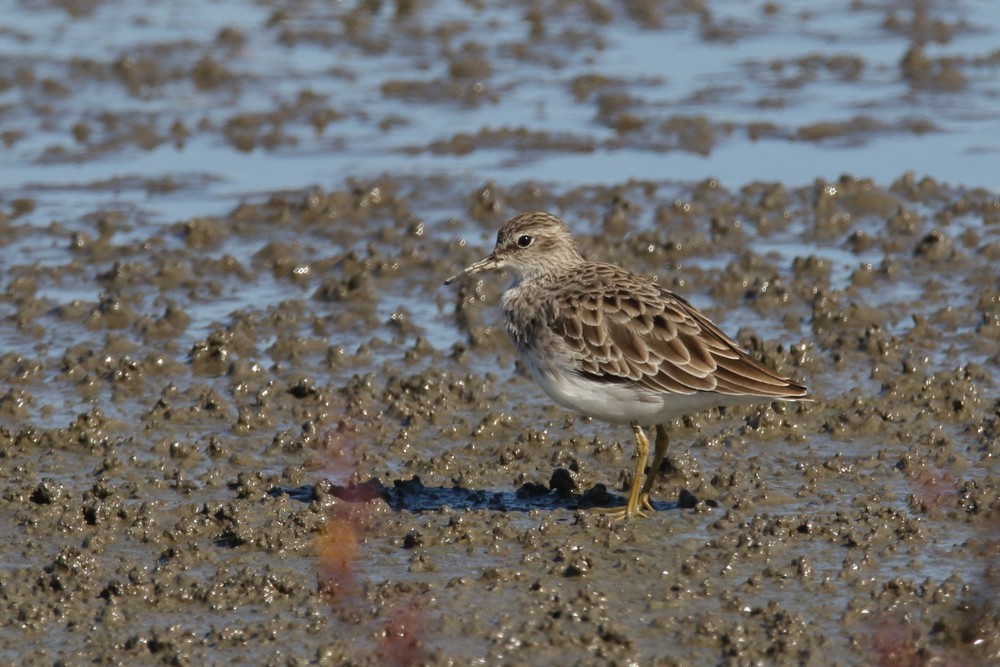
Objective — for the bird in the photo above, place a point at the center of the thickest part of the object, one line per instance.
(613, 345)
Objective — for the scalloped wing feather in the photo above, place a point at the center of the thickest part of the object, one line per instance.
(627, 329)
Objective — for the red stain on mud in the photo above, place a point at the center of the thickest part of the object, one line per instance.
(339, 546)
(402, 644)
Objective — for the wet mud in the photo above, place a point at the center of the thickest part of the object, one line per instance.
(271, 436)
(337, 471)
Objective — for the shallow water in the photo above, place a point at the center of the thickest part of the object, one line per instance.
(242, 421)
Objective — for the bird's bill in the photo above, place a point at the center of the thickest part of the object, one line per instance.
(485, 264)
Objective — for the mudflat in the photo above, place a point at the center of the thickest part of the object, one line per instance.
(254, 428)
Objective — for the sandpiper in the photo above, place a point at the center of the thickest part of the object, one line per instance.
(613, 345)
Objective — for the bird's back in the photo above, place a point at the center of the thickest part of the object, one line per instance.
(619, 327)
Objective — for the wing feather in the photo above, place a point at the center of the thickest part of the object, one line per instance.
(628, 329)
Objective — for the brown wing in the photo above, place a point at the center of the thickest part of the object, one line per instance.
(627, 329)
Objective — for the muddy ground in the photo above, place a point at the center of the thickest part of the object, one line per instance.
(270, 436)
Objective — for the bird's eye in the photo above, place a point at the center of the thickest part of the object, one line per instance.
(523, 241)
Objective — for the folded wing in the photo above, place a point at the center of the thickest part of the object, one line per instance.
(625, 330)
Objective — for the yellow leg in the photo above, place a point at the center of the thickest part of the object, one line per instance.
(635, 507)
(661, 451)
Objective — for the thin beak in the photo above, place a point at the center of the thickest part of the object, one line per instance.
(485, 264)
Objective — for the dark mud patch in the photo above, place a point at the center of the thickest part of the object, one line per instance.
(413, 496)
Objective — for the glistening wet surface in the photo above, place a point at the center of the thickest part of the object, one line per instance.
(242, 422)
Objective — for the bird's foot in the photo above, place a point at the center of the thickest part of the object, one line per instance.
(640, 509)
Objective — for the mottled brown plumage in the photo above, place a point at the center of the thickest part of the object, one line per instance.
(613, 345)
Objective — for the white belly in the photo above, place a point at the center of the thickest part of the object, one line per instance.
(622, 403)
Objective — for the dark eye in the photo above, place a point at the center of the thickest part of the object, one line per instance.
(523, 241)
